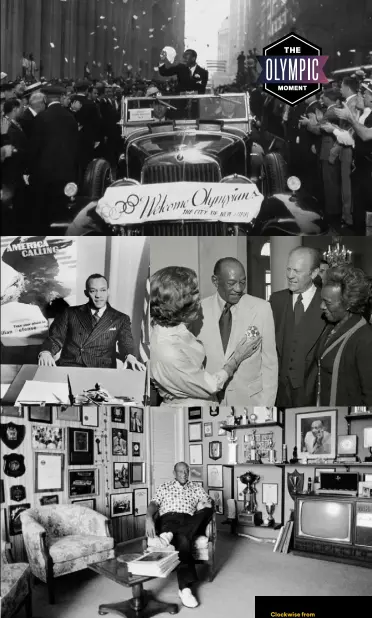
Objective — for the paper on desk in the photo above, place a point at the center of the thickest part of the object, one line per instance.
(43, 392)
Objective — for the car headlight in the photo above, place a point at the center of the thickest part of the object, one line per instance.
(70, 189)
(293, 183)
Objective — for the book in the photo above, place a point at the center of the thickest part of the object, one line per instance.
(282, 540)
(154, 563)
(288, 538)
(278, 538)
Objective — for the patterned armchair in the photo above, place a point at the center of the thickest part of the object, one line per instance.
(15, 586)
(61, 539)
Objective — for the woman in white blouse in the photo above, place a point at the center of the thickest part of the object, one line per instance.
(177, 357)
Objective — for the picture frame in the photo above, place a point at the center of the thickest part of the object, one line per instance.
(317, 472)
(89, 503)
(270, 493)
(40, 414)
(196, 454)
(137, 472)
(121, 504)
(119, 441)
(217, 497)
(214, 411)
(14, 411)
(194, 413)
(195, 432)
(49, 472)
(196, 473)
(15, 525)
(44, 500)
(82, 482)
(264, 414)
(365, 489)
(367, 478)
(215, 449)
(80, 446)
(140, 501)
(120, 474)
(89, 416)
(118, 414)
(208, 430)
(316, 433)
(221, 430)
(47, 438)
(136, 449)
(136, 420)
(215, 476)
(71, 414)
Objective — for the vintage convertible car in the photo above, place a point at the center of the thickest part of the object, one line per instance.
(176, 148)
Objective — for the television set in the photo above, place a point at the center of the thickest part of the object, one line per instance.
(337, 528)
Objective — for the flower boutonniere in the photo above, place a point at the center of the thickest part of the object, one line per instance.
(196, 76)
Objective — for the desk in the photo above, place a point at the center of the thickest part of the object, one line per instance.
(119, 382)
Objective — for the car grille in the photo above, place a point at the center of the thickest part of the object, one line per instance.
(201, 172)
(176, 228)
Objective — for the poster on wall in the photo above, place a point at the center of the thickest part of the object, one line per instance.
(37, 274)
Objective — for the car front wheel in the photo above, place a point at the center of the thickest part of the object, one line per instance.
(97, 178)
(273, 174)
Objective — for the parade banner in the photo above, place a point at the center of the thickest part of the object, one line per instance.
(37, 272)
(135, 204)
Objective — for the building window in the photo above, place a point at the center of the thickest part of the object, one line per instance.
(267, 284)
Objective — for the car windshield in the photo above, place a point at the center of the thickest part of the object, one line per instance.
(227, 107)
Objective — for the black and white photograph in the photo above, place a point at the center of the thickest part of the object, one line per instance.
(140, 501)
(137, 472)
(136, 420)
(215, 475)
(40, 414)
(217, 497)
(68, 413)
(82, 482)
(121, 504)
(316, 434)
(15, 524)
(80, 446)
(88, 503)
(119, 441)
(45, 500)
(120, 474)
(47, 438)
(118, 414)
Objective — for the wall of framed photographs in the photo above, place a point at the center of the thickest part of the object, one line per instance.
(96, 457)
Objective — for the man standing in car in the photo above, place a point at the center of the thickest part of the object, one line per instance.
(191, 77)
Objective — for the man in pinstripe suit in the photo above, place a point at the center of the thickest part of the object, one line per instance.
(87, 335)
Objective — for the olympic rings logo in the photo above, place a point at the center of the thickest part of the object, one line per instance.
(120, 208)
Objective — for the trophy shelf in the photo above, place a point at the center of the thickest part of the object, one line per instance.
(353, 417)
(330, 465)
(250, 426)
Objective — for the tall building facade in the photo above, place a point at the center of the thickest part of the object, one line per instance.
(238, 23)
(63, 36)
(223, 41)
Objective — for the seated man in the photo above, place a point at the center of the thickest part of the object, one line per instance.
(180, 523)
(87, 335)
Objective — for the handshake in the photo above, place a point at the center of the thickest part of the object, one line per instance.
(246, 347)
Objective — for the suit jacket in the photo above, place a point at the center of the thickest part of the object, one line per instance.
(81, 345)
(53, 151)
(186, 81)
(354, 385)
(256, 380)
(328, 139)
(15, 166)
(27, 121)
(281, 303)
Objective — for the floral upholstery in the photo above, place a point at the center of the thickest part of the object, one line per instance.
(15, 585)
(61, 539)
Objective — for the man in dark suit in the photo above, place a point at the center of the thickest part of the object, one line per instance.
(89, 121)
(53, 159)
(298, 327)
(191, 77)
(87, 335)
(36, 105)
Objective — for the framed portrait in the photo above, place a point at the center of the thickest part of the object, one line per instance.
(195, 432)
(121, 504)
(136, 420)
(196, 454)
(217, 497)
(89, 503)
(89, 416)
(316, 434)
(140, 501)
(136, 449)
(215, 475)
(49, 472)
(208, 430)
(270, 493)
(215, 449)
(68, 413)
(15, 411)
(137, 472)
(119, 441)
(118, 414)
(44, 500)
(15, 526)
(240, 487)
(196, 473)
(221, 430)
(120, 474)
(82, 482)
(40, 414)
(365, 489)
(47, 438)
(80, 446)
(195, 413)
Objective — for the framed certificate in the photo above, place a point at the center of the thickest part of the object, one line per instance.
(49, 468)
(140, 501)
(196, 454)
(89, 416)
(269, 493)
(195, 432)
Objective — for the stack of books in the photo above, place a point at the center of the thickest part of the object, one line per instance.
(154, 564)
(284, 538)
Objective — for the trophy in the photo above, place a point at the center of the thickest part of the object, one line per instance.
(232, 447)
(295, 483)
(295, 458)
(269, 521)
(271, 452)
(250, 516)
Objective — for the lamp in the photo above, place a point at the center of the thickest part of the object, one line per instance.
(368, 442)
(337, 253)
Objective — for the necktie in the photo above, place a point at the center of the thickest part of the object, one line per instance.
(95, 318)
(225, 325)
(299, 310)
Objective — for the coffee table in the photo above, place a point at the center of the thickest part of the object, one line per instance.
(142, 604)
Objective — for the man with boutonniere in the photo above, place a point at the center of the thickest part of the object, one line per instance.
(190, 76)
